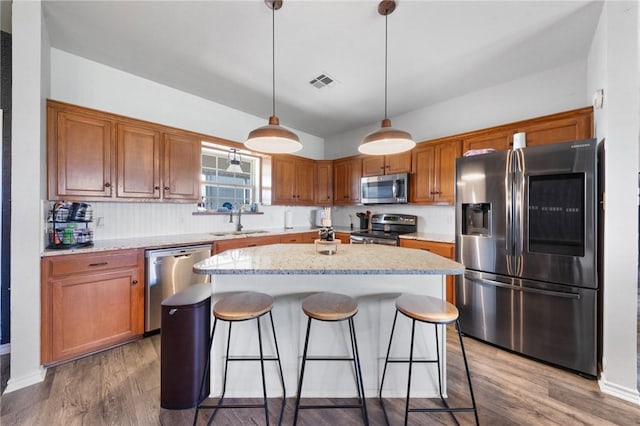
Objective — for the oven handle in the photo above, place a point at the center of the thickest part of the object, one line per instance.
(524, 289)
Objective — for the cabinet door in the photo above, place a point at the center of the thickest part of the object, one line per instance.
(341, 182)
(80, 156)
(422, 179)
(496, 140)
(373, 165)
(344, 237)
(324, 183)
(444, 176)
(305, 182)
(397, 163)
(95, 311)
(441, 249)
(138, 156)
(284, 180)
(355, 175)
(559, 130)
(182, 167)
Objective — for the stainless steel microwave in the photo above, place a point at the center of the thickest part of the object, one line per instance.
(387, 189)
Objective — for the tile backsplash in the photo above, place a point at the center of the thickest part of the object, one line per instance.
(129, 220)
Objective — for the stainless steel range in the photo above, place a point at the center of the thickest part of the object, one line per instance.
(386, 228)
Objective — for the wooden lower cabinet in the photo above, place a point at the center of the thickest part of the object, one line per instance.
(90, 302)
(441, 249)
(345, 237)
(300, 237)
(238, 243)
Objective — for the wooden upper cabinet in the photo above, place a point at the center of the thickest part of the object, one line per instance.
(499, 141)
(561, 127)
(94, 155)
(377, 165)
(557, 130)
(79, 155)
(182, 167)
(433, 180)
(293, 180)
(324, 183)
(346, 180)
(138, 154)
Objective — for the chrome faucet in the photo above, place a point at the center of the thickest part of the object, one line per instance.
(239, 224)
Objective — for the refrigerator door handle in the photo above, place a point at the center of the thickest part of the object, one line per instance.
(519, 187)
(508, 202)
(524, 289)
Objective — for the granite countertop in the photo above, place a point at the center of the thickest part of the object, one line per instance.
(177, 240)
(357, 259)
(428, 236)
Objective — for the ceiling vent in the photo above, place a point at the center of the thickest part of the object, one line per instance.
(323, 80)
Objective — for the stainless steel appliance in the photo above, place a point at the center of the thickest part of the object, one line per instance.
(167, 272)
(386, 228)
(526, 231)
(387, 189)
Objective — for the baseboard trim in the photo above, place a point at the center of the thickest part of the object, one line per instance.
(5, 349)
(627, 394)
(27, 380)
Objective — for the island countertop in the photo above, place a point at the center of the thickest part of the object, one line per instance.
(350, 259)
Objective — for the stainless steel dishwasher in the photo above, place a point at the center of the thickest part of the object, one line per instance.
(168, 271)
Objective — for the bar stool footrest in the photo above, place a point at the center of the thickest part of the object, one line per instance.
(302, 407)
(329, 358)
(442, 410)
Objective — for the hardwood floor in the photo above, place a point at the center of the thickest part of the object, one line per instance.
(122, 387)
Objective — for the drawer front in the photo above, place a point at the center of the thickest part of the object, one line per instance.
(441, 249)
(82, 264)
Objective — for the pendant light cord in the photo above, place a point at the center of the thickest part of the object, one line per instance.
(273, 58)
(386, 38)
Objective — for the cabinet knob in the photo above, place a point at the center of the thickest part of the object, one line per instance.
(166, 188)
(107, 185)
(156, 187)
(134, 282)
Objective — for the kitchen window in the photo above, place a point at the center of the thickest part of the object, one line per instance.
(219, 186)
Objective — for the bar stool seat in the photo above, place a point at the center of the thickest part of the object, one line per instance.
(235, 308)
(332, 307)
(243, 306)
(427, 309)
(439, 313)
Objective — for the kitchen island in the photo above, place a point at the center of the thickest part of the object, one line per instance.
(373, 274)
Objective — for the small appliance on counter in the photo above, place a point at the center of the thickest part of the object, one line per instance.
(364, 219)
(68, 225)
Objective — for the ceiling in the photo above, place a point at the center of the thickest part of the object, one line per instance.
(221, 50)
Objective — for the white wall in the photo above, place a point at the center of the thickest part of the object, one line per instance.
(83, 82)
(547, 92)
(28, 144)
(613, 66)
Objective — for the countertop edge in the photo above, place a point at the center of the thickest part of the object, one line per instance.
(176, 240)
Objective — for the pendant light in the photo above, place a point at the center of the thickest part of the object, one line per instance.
(272, 138)
(234, 161)
(386, 140)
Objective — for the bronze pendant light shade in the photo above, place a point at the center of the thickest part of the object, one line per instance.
(273, 138)
(386, 140)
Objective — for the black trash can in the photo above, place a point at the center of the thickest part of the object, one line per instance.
(184, 346)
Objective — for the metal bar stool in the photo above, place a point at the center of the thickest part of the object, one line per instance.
(332, 307)
(432, 311)
(236, 308)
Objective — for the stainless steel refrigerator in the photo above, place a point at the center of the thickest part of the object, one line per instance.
(526, 232)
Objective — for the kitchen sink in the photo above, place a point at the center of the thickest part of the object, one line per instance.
(244, 232)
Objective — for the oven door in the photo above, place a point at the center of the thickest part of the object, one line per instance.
(357, 239)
